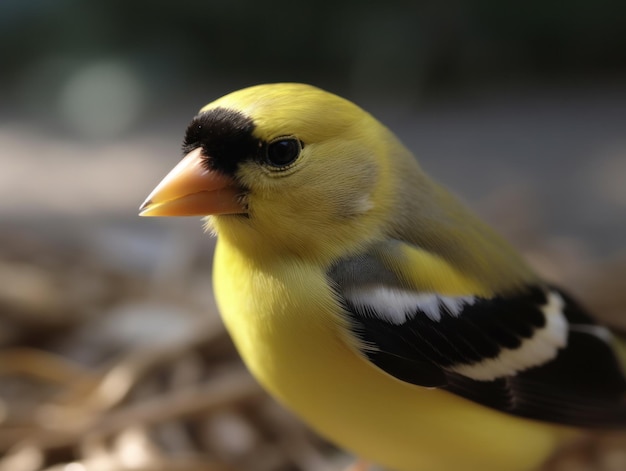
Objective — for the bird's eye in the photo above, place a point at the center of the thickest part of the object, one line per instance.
(282, 152)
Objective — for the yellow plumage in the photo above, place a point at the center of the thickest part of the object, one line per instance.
(289, 340)
(312, 250)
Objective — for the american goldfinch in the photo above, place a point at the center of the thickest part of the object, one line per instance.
(374, 305)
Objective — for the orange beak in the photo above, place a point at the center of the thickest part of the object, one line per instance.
(190, 189)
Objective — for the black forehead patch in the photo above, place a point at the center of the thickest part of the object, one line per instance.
(225, 137)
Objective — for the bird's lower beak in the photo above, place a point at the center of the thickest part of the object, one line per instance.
(190, 189)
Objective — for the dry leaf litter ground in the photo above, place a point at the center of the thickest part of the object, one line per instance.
(112, 356)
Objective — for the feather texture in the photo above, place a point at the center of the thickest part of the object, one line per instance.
(370, 301)
(490, 350)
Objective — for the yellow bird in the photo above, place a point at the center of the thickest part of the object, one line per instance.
(374, 305)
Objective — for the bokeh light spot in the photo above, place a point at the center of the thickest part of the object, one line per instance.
(102, 100)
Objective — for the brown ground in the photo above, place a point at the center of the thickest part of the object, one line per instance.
(112, 356)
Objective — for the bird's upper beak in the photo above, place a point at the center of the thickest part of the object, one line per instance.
(190, 189)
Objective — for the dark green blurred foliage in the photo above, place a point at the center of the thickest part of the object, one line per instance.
(423, 46)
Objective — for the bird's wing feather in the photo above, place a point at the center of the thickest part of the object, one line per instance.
(533, 353)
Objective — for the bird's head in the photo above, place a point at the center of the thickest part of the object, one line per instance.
(285, 167)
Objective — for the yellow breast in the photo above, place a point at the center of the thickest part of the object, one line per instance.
(285, 324)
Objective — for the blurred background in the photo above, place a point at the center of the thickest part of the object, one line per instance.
(112, 356)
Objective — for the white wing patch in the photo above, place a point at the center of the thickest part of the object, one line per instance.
(598, 331)
(534, 351)
(396, 305)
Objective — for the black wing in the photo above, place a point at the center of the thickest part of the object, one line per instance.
(535, 354)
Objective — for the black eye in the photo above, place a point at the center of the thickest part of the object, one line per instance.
(283, 152)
